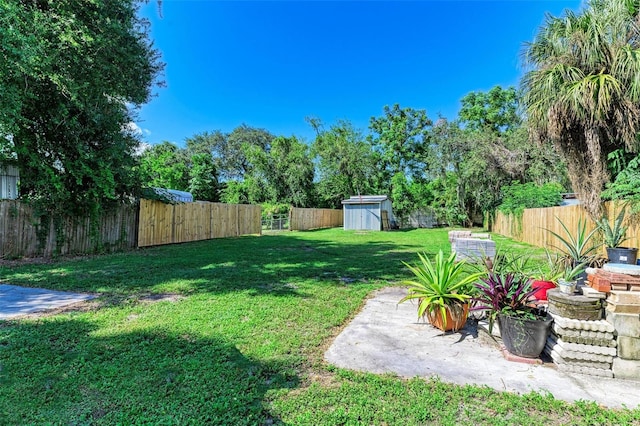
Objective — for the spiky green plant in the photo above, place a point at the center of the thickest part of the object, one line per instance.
(615, 235)
(553, 269)
(440, 285)
(576, 248)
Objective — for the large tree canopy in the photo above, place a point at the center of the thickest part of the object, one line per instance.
(583, 91)
(72, 75)
(344, 163)
(495, 110)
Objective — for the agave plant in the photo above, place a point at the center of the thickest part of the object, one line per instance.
(508, 294)
(553, 269)
(439, 285)
(504, 262)
(578, 248)
(572, 273)
(614, 235)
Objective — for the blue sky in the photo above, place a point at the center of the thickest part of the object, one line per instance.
(270, 64)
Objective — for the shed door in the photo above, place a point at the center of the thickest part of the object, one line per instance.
(362, 216)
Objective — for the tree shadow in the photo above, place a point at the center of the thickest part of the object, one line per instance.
(68, 371)
(270, 264)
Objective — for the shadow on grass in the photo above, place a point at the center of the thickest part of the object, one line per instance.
(271, 264)
(67, 371)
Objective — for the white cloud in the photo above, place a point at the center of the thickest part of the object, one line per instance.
(133, 127)
(142, 147)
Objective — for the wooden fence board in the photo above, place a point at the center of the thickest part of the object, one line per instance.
(302, 219)
(535, 224)
(113, 231)
(168, 224)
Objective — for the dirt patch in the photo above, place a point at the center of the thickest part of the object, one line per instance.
(160, 297)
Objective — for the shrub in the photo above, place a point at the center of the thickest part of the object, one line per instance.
(518, 196)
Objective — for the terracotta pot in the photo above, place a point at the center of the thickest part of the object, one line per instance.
(454, 322)
(541, 288)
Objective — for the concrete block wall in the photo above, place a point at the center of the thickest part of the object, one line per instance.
(473, 249)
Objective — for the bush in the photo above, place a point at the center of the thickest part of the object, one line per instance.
(269, 209)
(517, 197)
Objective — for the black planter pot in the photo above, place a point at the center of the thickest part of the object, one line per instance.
(622, 255)
(523, 337)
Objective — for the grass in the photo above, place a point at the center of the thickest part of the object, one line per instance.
(233, 332)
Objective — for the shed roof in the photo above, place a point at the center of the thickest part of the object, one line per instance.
(365, 199)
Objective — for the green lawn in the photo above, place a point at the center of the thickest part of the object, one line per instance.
(236, 336)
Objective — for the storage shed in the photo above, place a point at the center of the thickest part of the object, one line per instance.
(9, 177)
(368, 212)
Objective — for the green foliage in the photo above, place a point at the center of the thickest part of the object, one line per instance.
(626, 186)
(73, 75)
(344, 163)
(282, 174)
(495, 110)
(553, 269)
(448, 206)
(164, 166)
(582, 91)
(614, 235)
(399, 139)
(234, 192)
(439, 285)
(517, 197)
(570, 273)
(471, 165)
(269, 209)
(577, 248)
(228, 150)
(508, 261)
(203, 178)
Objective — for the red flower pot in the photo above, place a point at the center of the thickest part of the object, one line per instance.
(541, 289)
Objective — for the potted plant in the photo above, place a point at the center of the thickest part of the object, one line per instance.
(569, 278)
(579, 248)
(508, 300)
(442, 288)
(614, 236)
(547, 276)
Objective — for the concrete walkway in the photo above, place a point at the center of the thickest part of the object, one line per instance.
(16, 301)
(387, 338)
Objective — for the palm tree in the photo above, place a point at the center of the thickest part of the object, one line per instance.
(582, 90)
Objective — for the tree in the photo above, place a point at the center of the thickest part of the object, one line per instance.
(281, 174)
(203, 178)
(72, 76)
(583, 90)
(164, 166)
(397, 138)
(344, 163)
(479, 161)
(227, 149)
(495, 110)
(398, 141)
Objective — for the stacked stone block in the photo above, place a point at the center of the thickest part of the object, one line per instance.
(580, 341)
(582, 346)
(623, 312)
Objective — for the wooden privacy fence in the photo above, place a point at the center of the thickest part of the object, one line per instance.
(303, 219)
(23, 235)
(178, 223)
(531, 228)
